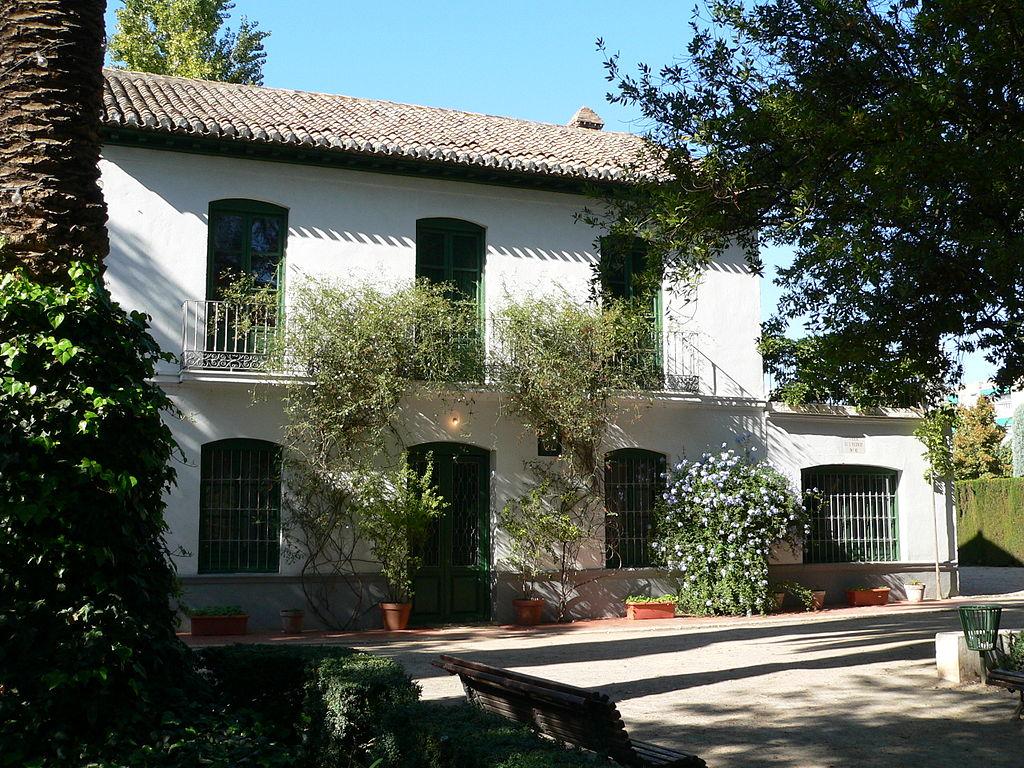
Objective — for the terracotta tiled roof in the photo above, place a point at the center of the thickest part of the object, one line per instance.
(317, 121)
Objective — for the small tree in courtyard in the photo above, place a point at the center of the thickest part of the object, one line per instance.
(978, 450)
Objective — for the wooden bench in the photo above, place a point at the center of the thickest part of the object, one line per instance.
(1011, 681)
(564, 713)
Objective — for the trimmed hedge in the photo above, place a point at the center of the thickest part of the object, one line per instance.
(328, 707)
(462, 736)
(990, 525)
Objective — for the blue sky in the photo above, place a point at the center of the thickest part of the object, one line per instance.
(522, 58)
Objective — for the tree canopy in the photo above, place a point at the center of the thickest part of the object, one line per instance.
(884, 143)
(978, 450)
(187, 38)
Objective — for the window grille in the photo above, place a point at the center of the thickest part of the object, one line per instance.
(240, 507)
(853, 515)
(634, 480)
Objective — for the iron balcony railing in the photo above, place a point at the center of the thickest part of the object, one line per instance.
(227, 337)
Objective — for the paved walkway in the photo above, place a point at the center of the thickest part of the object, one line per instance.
(839, 688)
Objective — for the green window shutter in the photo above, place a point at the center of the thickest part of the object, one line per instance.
(452, 251)
(240, 507)
(853, 514)
(634, 480)
(245, 237)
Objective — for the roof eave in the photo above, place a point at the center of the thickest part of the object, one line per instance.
(335, 157)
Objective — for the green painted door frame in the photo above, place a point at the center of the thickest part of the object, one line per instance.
(453, 585)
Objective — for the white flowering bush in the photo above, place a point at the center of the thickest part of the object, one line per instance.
(719, 518)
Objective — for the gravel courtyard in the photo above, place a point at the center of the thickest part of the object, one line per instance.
(840, 688)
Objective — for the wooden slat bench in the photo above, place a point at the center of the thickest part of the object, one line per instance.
(1011, 681)
(563, 712)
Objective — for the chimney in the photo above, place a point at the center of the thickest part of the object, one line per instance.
(585, 117)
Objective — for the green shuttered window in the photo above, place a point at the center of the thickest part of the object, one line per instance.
(853, 515)
(245, 237)
(240, 507)
(452, 251)
(633, 483)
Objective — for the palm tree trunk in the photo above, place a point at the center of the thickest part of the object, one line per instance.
(51, 93)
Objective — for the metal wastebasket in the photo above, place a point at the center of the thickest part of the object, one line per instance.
(981, 626)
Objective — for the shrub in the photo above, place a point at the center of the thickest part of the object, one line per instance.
(719, 518)
(87, 643)
(462, 736)
(1015, 651)
(990, 521)
(341, 706)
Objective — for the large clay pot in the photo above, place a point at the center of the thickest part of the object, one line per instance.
(817, 599)
(859, 597)
(219, 625)
(640, 611)
(291, 621)
(528, 612)
(395, 615)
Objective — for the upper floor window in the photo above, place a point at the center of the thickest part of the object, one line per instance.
(629, 272)
(240, 507)
(853, 515)
(633, 482)
(452, 251)
(246, 237)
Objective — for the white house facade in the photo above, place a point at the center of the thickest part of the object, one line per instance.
(285, 185)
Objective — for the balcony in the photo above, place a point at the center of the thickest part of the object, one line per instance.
(223, 337)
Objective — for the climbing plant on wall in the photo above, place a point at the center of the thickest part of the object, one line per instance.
(350, 353)
(559, 368)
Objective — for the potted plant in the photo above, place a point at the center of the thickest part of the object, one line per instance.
(291, 621)
(817, 599)
(641, 607)
(862, 596)
(395, 509)
(533, 529)
(218, 620)
(811, 598)
(914, 590)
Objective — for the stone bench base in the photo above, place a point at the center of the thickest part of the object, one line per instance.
(955, 662)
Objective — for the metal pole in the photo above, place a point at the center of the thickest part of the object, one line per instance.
(935, 533)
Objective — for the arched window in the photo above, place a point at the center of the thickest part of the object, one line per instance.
(853, 514)
(240, 507)
(633, 483)
(246, 237)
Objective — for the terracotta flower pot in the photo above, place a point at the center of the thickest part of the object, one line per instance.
(856, 598)
(528, 612)
(817, 599)
(915, 593)
(641, 611)
(291, 621)
(778, 598)
(219, 625)
(395, 615)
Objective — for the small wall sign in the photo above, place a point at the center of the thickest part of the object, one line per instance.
(853, 445)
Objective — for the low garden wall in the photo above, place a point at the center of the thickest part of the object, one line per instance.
(990, 521)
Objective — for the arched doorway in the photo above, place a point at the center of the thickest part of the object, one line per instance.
(453, 584)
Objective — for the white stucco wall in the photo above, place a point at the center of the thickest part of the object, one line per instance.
(362, 226)
(800, 441)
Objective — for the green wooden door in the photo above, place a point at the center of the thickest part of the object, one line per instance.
(453, 585)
